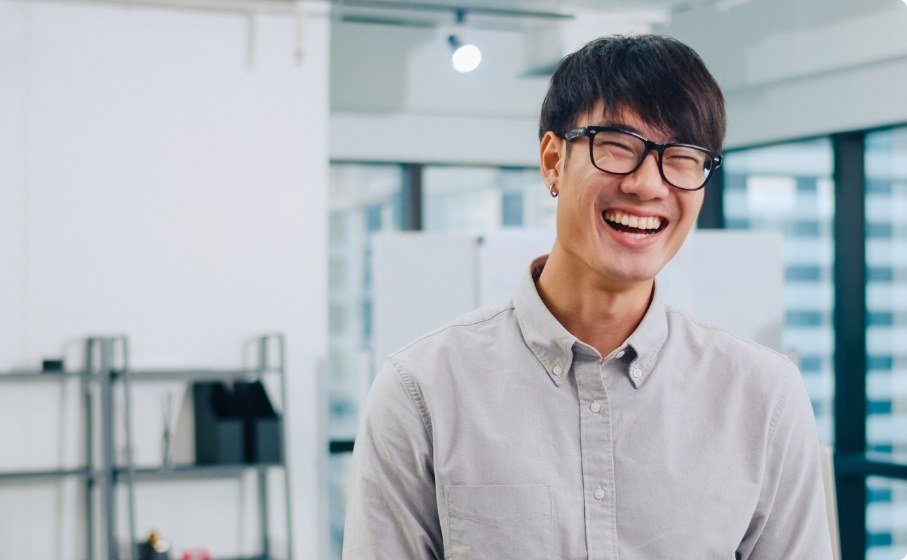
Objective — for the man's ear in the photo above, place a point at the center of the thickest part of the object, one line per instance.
(551, 158)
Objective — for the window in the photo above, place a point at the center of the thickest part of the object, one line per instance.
(886, 334)
(788, 188)
(886, 519)
(363, 200)
(477, 199)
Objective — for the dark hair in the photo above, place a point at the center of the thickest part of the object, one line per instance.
(659, 78)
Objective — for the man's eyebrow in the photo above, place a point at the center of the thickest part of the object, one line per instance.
(620, 125)
(627, 127)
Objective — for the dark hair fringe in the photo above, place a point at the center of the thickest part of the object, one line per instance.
(659, 78)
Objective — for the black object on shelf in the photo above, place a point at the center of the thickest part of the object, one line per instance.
(155, 548)
(262, 426)
(218, 429)
(235, 424)
(51, 366)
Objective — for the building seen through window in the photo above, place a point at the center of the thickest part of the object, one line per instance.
(789, 189)
(886, 335)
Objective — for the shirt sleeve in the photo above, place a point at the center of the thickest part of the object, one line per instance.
(391, 505)
(790, 519)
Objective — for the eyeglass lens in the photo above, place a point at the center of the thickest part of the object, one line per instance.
(619, 152)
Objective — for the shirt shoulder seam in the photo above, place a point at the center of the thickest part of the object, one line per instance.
(415, 394)
(779, 408)
(508, 307)
(704, 325)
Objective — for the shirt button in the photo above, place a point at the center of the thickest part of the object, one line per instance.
(599, 493)
(620, 354)
(636, 373)
(557, 369)
(596, 407)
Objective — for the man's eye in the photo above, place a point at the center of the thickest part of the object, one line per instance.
(614, 146)
(685, 158)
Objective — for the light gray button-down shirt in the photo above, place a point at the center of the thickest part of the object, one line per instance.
(502, 436)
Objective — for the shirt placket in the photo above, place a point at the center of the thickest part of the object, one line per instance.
(597, 447)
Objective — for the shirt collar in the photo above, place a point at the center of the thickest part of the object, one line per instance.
(553, 345)
(648, 338)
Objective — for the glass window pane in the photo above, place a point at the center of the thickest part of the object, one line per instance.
(363, 200)
(886, 332)
(886, 519)
(337, 472)
(788, 188)
(478, 199)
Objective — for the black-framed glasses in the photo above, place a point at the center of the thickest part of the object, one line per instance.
(621, 152)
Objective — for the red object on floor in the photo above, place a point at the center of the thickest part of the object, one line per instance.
(196, 554)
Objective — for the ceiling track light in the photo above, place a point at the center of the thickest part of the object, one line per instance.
(466, 57)
(436, 6)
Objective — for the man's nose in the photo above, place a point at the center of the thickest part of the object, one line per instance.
(646, 182)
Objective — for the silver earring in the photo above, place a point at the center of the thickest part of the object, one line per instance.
(552, 191)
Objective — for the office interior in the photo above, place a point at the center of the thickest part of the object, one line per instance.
(192, 194)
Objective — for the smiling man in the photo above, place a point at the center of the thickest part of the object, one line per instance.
(586, 418)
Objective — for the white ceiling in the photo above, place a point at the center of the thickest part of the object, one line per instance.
(392, 57)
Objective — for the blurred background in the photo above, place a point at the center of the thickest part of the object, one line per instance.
(195, 197)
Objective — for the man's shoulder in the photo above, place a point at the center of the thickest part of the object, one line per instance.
(460, 333)
(731, 353)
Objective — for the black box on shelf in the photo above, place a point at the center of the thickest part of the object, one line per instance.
(218, 428)
(235, 424)
(262, 425)
(268, 440)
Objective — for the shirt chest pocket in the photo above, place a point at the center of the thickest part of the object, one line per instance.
(498, 521)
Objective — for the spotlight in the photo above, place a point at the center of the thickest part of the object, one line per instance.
(465, 58)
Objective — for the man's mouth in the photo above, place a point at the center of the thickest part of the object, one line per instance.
(634, 227)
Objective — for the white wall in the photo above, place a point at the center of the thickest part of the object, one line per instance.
(163, 174)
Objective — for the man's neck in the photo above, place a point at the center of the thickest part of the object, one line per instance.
(591, 310)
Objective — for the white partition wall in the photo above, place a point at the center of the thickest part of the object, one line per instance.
(422, 281)
(163, 174)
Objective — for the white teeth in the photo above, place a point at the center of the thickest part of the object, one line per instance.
(647, 222)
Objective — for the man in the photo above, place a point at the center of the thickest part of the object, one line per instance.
(585, 419)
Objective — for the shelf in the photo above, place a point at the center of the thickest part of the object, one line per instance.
(192, 471)
(36, 375)
(45, 474)
(194, 374)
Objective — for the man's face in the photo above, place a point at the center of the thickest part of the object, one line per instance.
(592, 203)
